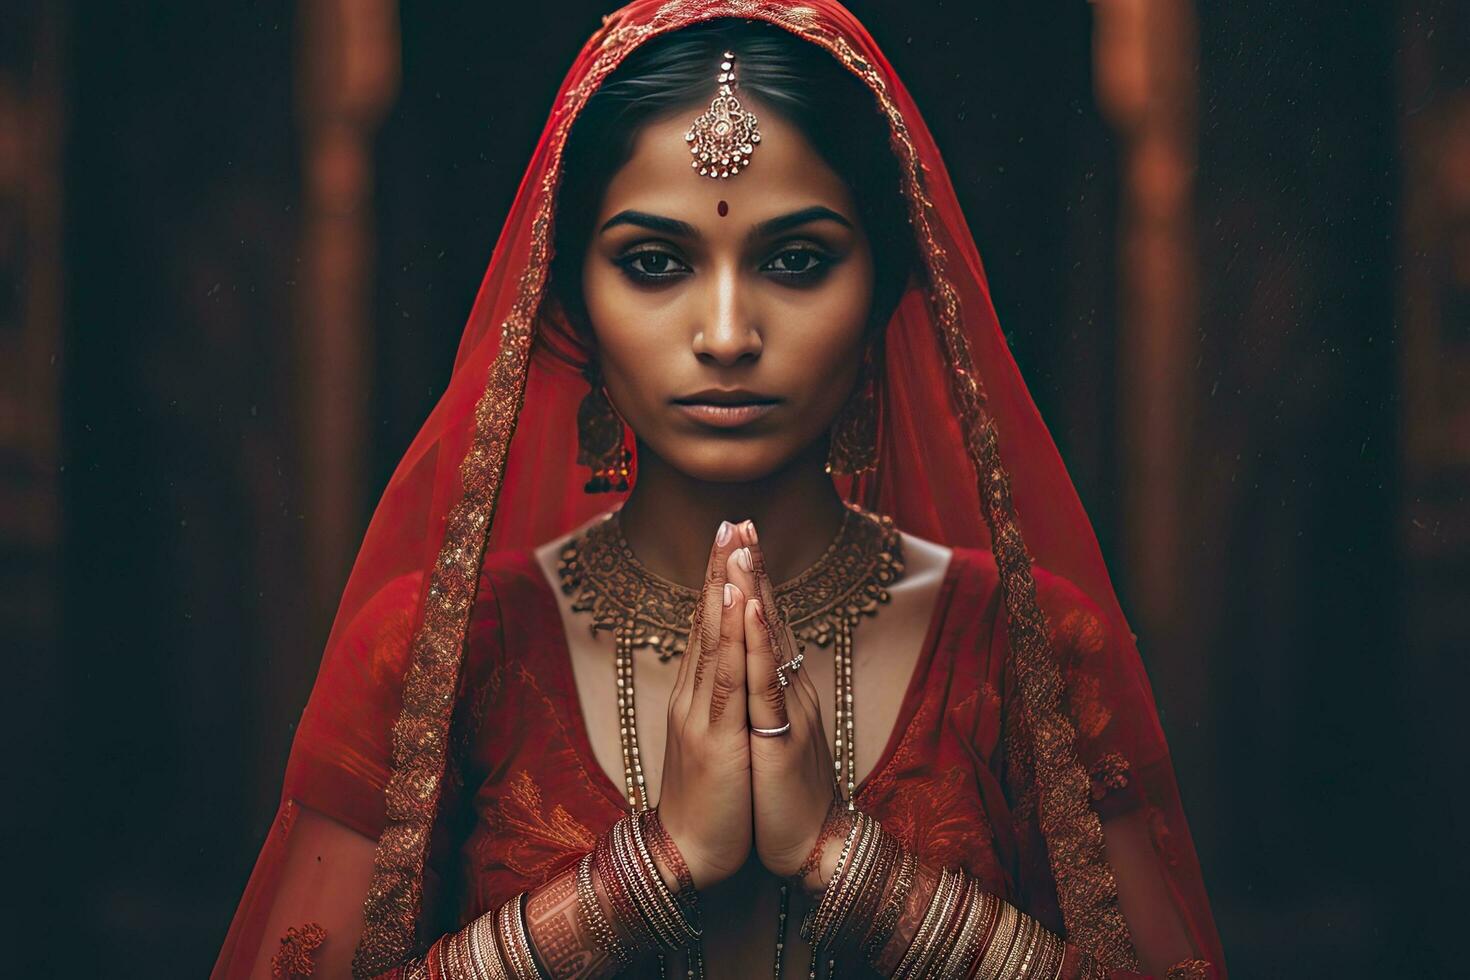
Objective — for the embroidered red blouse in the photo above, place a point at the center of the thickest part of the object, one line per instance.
(538, 799)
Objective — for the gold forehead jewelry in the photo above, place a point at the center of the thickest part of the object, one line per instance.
(723, 137)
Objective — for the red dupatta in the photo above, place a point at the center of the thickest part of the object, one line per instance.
(964, 459)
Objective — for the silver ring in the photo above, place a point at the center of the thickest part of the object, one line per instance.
(771, 732)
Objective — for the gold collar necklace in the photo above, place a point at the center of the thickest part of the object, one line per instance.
(850, 580)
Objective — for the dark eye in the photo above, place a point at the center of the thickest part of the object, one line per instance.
(797, 263)
(652, 265)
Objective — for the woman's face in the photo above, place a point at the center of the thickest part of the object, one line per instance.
(729, 314)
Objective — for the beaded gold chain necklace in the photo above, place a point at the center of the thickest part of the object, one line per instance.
(822, 605)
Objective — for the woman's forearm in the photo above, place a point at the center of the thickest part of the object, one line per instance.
(910, 920)
(629, 896)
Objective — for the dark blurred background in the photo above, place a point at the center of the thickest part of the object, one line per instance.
(1230, 243)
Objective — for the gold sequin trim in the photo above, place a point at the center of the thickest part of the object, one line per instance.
(1085, 885)
(1189, 970)
(295, 957)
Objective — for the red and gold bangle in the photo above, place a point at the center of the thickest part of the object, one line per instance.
(594, 917)
(891, 908)
(922, 949)
(484, 953)
(971, 924)
(644, 884)
(515, 945)
(667, 906)
(625, 913)
(644, 908)
(833, 896)
(872, 883)
(844, 887)
(664, 847)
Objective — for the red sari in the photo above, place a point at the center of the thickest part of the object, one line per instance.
(444, 724)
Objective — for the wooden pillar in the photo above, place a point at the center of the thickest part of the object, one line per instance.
(32, 282)
(1145, 54)
(348, 66)
(1433, 334)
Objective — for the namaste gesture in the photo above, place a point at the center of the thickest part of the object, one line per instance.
(747, 750)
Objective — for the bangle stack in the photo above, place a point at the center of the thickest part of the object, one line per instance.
(861, 906)
(647, 914)
(667, 851)
(1019, 946)
(644, 906)
(596, 919)
(495, 946)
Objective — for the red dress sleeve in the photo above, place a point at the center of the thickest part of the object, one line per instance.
(1120, 744)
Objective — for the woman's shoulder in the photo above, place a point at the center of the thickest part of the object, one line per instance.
(929, 562)
(973, 571)
(511, 579)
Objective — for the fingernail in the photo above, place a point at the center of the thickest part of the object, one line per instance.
(722, 536)
(729, 594)
(742, 558)
(760, 614)
(750, 531)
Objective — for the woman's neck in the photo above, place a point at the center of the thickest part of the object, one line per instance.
(670, 518)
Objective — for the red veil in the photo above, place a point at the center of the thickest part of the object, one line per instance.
(964, 459)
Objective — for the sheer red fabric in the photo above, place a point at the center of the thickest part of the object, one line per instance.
(964, 459)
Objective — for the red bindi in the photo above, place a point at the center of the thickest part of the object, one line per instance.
(724, 209)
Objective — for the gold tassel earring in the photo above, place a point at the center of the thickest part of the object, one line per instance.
(600, 443)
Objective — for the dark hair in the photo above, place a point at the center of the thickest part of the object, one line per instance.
(795, 78)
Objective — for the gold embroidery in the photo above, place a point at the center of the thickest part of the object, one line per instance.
(937, 816)
(534, 841)
(1090, 711)
(389, 643)
(294, 959)
(1189, 970)
(1085, 885)
(906, 756)
(1110, 772)
(1081, 635)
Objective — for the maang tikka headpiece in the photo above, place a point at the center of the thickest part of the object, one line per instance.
(724, 135)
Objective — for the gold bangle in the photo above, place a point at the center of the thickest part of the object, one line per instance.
(666, 932)
(920, 950)
(593, 915)
(666, 897)
(511, 925)
(887, 918)
(1025, 944)
(975, 916)
(998, 950)
(848, 884)
(815, 924)
(867, 904)
(1055, 950)
(459, 949)
(491, 967)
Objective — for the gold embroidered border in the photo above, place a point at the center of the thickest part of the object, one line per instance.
(1085, 884)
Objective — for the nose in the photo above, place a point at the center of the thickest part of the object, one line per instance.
(728, 333)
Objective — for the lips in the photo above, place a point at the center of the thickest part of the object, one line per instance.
(725, 408)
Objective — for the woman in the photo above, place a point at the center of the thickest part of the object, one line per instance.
(737, 251)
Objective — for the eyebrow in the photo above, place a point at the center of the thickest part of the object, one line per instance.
(772, 226)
